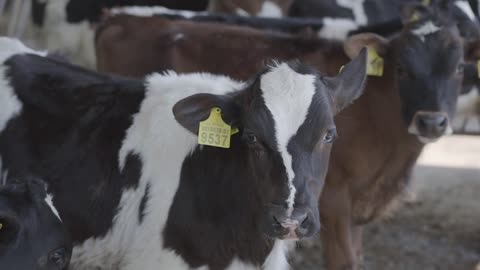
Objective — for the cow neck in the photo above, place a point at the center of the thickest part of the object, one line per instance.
(232, 219)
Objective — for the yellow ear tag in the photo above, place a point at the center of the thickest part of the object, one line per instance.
(375, 63)
(1, 226)
(478, 68)
(214, 131)
(415, 16)
(341, 68)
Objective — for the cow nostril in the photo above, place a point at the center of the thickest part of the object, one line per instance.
(422, 124)
(305, 223)
(443, 122)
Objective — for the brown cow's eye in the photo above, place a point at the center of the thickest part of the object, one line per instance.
(330, 136)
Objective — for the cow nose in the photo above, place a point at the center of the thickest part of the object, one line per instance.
(294, 227)
(431, 125)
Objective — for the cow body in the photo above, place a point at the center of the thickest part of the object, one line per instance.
(131, 183)
(379, 144)
(368, 12)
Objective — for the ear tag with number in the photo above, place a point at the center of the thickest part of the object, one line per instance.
(214, 131)
(478, 68)
(374, 63)
(415, 17)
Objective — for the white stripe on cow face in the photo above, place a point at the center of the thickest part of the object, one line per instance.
(49, 202)
(464, 6)
(427, 28)
(288, 96)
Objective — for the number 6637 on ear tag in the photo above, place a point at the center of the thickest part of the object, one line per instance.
(214, 131)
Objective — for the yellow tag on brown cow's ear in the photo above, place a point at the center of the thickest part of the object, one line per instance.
(374, 63)
(214, 131)
(415, 16)
(478, 68)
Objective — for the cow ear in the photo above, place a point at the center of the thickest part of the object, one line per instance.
(190, 111)
(472, 50)
(355, 43)
(470, 78)
(350, 83)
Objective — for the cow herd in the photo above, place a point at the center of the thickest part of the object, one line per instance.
(210, 137)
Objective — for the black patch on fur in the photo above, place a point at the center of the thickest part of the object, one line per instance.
(143, 204)
(69, 133)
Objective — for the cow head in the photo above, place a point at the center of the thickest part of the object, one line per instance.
(31, 233)
(261, 8)
(278, 160)
(425, 61)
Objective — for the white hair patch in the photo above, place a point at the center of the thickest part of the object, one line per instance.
(427, 28)
(49, 202)
(270, 9)
(464, 6)
(288, 96)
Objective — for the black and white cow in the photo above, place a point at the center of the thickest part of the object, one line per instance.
(32, 235)
(367, 12)
(132, 185)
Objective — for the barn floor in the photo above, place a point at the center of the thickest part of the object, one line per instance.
(437, 229)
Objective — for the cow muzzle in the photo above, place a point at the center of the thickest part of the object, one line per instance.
(299, 224)
(430, 126)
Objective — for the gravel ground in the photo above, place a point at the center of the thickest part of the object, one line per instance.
(438, 229)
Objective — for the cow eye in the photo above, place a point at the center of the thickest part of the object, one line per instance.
(251, 138)
(58, 257)
(330, 136)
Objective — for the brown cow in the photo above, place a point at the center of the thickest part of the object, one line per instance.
(380, 136)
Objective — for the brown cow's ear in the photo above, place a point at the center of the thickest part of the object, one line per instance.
(350, 83)
(190, 111)
(355, 43)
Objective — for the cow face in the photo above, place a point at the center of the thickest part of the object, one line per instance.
(425, 61)
(31, 233)
(278, 160)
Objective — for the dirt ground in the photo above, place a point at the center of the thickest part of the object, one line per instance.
(438, 228)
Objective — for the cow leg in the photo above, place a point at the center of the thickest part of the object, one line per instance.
(357, 235)
(337, 234)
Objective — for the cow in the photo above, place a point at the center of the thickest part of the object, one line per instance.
(381, 134)
(325, 28)
(32, 235)
(365, 12)
(135, 185)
